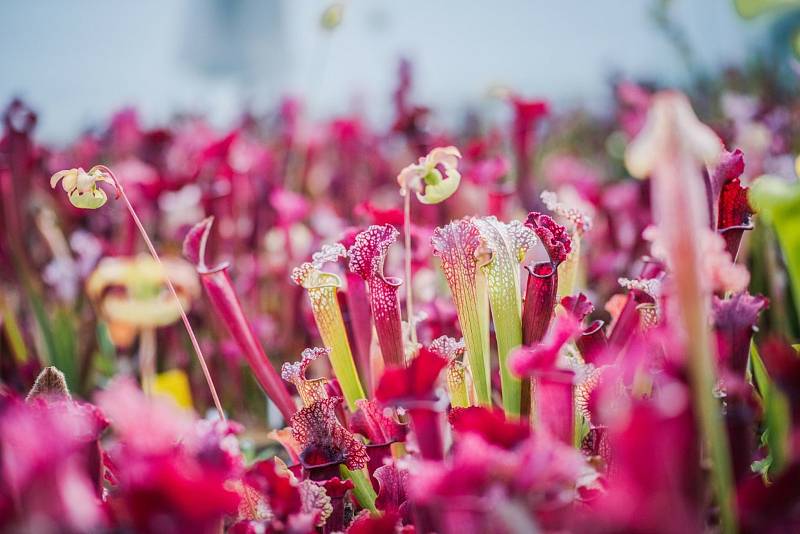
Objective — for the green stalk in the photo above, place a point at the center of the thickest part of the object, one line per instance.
(506, 315)
(330, 323)
(778, 202)
(456, 245)
(506, 245)
(322, 288)
(14, 336)
(362, 488)
(669, 150)
(707, 408)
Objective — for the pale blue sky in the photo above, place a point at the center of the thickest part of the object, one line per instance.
(77, 61)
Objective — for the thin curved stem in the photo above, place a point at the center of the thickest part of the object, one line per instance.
(147, 359)
(154, 254)
(412, 329)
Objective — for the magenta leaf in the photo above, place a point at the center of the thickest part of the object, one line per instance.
(734, 322)
(415, 383)
(367, 258)
(222, 295)
(491, 424)
(393, 483)
(540, 301)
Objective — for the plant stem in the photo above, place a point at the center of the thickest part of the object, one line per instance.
(147, 359)
(707, 408)
(362, 488)
(412, 329)
(171, 287)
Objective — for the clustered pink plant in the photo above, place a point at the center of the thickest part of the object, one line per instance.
(617, 383)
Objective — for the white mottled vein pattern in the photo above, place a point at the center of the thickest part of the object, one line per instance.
(367, 258)
(457, 245)
(506, 245)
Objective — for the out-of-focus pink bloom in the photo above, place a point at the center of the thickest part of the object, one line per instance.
(592, 341)
(543, 356)
(414, 388)
(125, 132)
(147, 425)
(50, 473)
(290, 206)
(491, 424)
(135, 171)
(539, 480)
(181, 209)
(416, 383)
(248, 155)
(365, 523)
(634, 101)
(488, 171)
(569, 172)
(652, 479)
(377, 215)
(717, 270)
(171, 472)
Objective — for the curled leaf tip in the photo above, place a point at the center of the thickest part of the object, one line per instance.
(309, 274)
(553, 236)
(368, 252)
(295, 373)
(194, 244)
(297, 370)
(578, 306)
